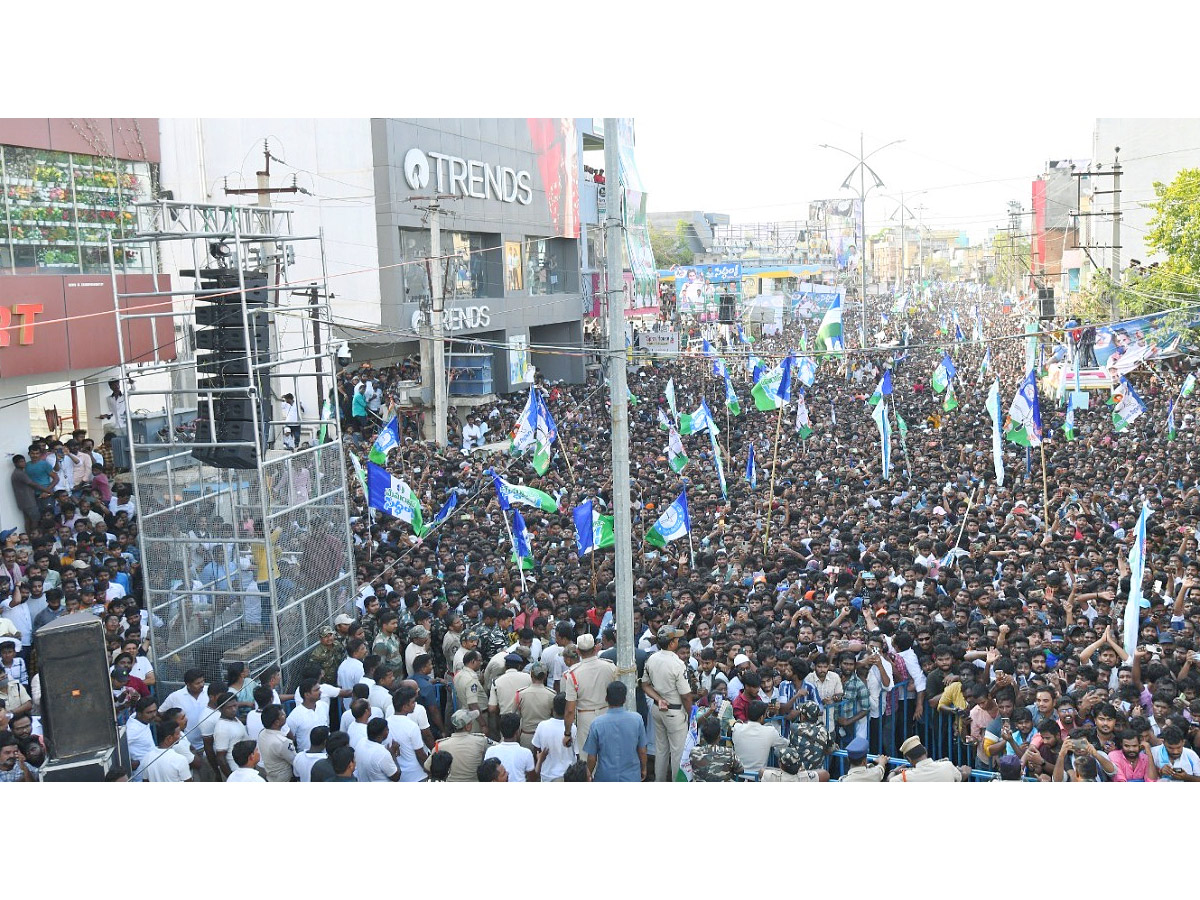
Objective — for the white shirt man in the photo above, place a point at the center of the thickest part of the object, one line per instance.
(303, 764)
(403, 731)
(374, 762)
(227, 733)
(517, 760)
(245, 775)
(548, 736)
(141, 746)
(117, 408)
(195, 708)
(301, 721)
(349, 673)
(753, 742)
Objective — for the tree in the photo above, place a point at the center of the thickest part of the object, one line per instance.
(671, 249)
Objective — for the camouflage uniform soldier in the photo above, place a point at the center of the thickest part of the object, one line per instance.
(809, 737)
(328, 655)
(491, 638)
(710, 760)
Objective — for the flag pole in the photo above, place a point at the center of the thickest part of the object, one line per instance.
(563, 447)
(1045, 487)
(513, 541)
(774, 460)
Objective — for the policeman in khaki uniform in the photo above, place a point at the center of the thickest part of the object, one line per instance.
(585, 684)
(856, 755)
(466, 746)
(468, 692)
(666, 684)
(535, 704)
(925, 769)
(503, 697)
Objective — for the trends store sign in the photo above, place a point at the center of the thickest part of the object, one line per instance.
(467, 177)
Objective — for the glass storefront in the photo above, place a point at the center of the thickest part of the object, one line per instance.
(472, 265)
(59, 208)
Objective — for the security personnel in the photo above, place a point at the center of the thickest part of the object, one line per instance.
(535, 704)
(503, 695)
(710, 760)
(328, 654)
(925, 769)
(466, 746)
(585, 684)
(856, 754)
(666, 684)
(468, 691)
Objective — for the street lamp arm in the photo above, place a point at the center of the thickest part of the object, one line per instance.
(884, 147)
(853, 156)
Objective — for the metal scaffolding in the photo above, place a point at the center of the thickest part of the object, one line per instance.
(245, 545)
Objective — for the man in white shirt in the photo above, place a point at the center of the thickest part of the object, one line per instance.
(376, 761)
(166, 765)
(553, 758)
(245, 754)
(305, 717)
(140, 736)
(878, 676)
(517, 760)
(406, 736)
(350, 672)
(229, 730)
(303, 764)
(753, 740)
(360, 714)
(193, 700)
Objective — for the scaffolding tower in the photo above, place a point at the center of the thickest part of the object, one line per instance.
(243, 527)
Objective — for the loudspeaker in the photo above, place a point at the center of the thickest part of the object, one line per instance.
(728, 311)
(92, 768)
(1046, 303)
(77, 701)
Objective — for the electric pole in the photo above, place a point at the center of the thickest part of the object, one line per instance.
(1116, 236)
(440, 387)
(619, 395)
(266, 256)
(433, 339)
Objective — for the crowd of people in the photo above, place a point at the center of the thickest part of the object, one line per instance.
(826, 623)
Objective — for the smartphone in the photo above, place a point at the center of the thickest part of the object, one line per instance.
(1004, 723)
(716, 701)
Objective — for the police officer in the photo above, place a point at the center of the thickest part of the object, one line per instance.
(585, 684)
(535, 703)
(925, 769)
(467, 689)
(465, 746)
(710, 760)
(666, 684)
(502, 698)
(856, 755)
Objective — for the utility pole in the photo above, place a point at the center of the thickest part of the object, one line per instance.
(314, 296)
(619, 395)
(1116, 236)
(903, 243)
(440, 388)
(433, 353)
(266, 255)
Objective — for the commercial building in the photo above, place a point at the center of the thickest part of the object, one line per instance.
(519, 223)
(66, 185)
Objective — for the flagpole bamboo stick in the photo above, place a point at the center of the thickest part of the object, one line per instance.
(1045, 488)
(774, 460)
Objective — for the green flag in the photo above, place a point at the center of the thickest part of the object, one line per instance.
(675, 455)
(951, 401)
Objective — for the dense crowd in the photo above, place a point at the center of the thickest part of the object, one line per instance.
(827, 624)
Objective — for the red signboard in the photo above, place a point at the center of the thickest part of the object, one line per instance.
(1039, 226)
(60, 323)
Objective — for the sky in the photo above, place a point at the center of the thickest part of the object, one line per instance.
(962, 173)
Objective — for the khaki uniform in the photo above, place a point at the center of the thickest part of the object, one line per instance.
(586, 683)
(468, 690)
(928, 770)
(504, 690)
(467, 750)
(778, 775)
(535, 704)
(667, 674)
(864, 773)
(493, 670)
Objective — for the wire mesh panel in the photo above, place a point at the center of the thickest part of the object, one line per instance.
(246, 548)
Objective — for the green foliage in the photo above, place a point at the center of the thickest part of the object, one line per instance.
(671, 249)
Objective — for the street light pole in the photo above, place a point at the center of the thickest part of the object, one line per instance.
(862, 168)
